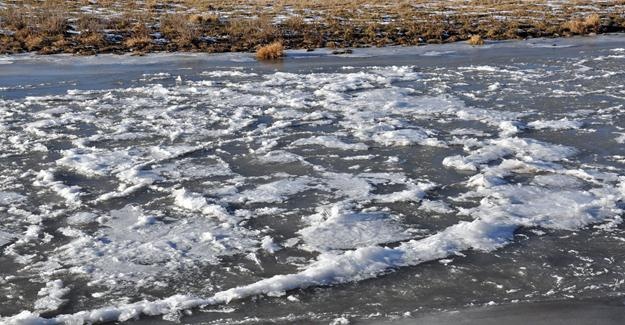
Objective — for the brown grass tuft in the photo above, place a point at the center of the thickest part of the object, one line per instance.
(593, 21)
(140, 37)
(93, 40)
(575, 26)
(476, 40)
(200, 19)
(179, 30)
(138, 42)
(62, 43)
(583, 26)
(33, 42)
(272, 51)
(53, 23)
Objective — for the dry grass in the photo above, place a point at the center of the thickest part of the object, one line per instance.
(203, 18)
(137, 42)
(575, 26)
(33, 42)
(93, 40)
(179, 30)
(139, 37)
(591, 23)
(53, 26)
(272, 51)
(476, 40)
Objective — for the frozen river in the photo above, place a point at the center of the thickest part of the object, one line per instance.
(386, 184)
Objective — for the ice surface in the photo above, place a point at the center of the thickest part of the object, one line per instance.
(562, 124)
(166, 193)
(51, 296)
(134, 246)
(7, 198)
(329, 142)
(528, 150)
(341, 228)
(5, 238)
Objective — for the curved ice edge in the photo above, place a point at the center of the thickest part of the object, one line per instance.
(329, 269)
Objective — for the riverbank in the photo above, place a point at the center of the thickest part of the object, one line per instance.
(112, 26)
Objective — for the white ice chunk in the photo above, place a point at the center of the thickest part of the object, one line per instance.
(341, 228)
(5, 238)
(329, 142)
(8, 198)
(71, 194)
(525, 149)
(561, 124)
(51, 297)
(274, 192)
(268, 245)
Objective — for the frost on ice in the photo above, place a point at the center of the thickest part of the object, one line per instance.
(162, 186)
(51, 297)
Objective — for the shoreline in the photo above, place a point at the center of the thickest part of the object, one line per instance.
(245, 25)
(78, 51)
(295, 55)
